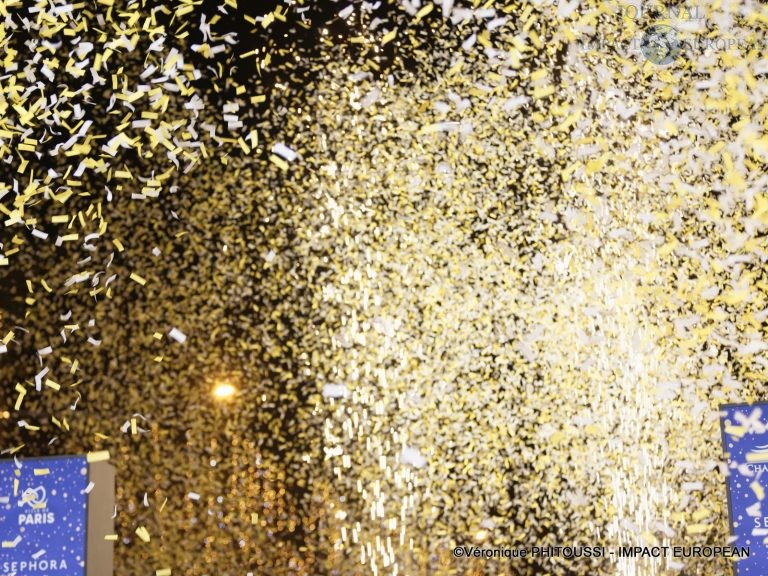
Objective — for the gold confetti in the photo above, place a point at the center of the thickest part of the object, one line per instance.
(138, 279)
(143, 534)
(98, 456)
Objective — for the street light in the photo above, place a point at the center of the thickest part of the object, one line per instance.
(224, 391)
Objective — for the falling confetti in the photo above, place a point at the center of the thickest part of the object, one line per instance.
(479, 272)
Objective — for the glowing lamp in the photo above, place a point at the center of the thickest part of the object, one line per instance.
(224, 391)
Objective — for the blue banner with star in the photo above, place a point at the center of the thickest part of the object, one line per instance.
(745, 441)
(43, 516)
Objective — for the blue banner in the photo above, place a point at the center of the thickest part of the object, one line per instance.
(43, 516)
(745, 441)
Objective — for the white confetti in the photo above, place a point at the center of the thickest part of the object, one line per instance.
(177, 335)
